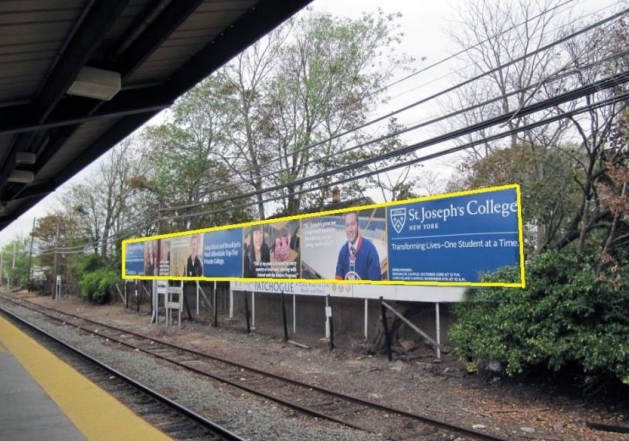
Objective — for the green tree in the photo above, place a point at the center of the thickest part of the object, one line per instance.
(15, 262)
(183, 166)
(54, 234)
(550, 193)
(306, 82)
(332, 74)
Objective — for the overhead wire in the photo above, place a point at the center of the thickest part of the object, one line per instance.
(455, 149)
(557, 100)
(128, 231)
(379, 158)
(429, 122)
(424, 101)
(347, 132)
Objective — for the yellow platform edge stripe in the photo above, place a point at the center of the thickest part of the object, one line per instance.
(95, 413)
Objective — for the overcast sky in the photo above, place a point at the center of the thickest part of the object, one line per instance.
(424, 25)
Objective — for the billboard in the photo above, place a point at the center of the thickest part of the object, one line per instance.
(449, 240)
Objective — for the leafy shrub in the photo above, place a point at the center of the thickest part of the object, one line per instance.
(83, 264)
(95, 285)
(565, 317)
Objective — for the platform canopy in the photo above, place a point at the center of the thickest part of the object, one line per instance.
(78, 76)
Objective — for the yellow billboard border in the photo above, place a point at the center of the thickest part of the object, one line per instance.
(521, 284)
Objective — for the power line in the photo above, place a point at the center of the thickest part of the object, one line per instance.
(444, 152)
(129, 232)
(423, 101)
(435, 120)
(555, 101)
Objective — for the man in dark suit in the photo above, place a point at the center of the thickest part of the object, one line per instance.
(194, 268)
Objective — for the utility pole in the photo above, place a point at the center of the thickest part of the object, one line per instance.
(54, 271)
(30, 256)
(159, 231)
(155, 299)
(13, 265)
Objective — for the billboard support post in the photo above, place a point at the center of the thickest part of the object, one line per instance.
(284, 317)
(197, 298)
(231, 303)
(327, 322)
(366, 318)
(253, 310)
(438, 330)
(328, 312)
(383, 311)
(247, 313)
(410, 324)
(215, 308)
(294, 315)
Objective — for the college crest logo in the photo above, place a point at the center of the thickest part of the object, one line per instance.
(398, 219)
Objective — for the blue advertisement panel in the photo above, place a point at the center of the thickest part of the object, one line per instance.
(345, 246)
(134, 259)
(222, 256)
(272, 250)
(454, 239)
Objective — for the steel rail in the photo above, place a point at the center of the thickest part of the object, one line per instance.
(423, 418)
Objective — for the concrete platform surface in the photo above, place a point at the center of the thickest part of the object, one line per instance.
(43, 398)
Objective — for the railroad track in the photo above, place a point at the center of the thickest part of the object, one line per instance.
(308, 398)
(170, 417)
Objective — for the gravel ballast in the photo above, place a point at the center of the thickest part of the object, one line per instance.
(247, 416)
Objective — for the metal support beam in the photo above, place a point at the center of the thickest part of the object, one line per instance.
(15, 121)
(84, 43)
(250, 27)
(411, 325)
(155, 33)
(85, 40)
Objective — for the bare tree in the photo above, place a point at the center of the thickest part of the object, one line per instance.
(503, 41)
(100, 202)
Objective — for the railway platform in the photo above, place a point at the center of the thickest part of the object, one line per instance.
(42, 397)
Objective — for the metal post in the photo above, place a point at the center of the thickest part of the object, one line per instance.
(185, 300)
(137, 296)
(294, 315)
(1, 267)
(13, 266)
(30, 257)
(253, 310)
(437, 321)
(327, 322)
(386, 328)
(231, 303)
(197, 298)
(247, 313)
(284, 317)
(366, 318)
(154, 302)
(328, 312)
(54, 271)
(126, 295)
(215, 308)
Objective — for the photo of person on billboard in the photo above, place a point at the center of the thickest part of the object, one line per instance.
(194, 267)
(285, 257)
(358, 258)
(257, 254)
(150, 258)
